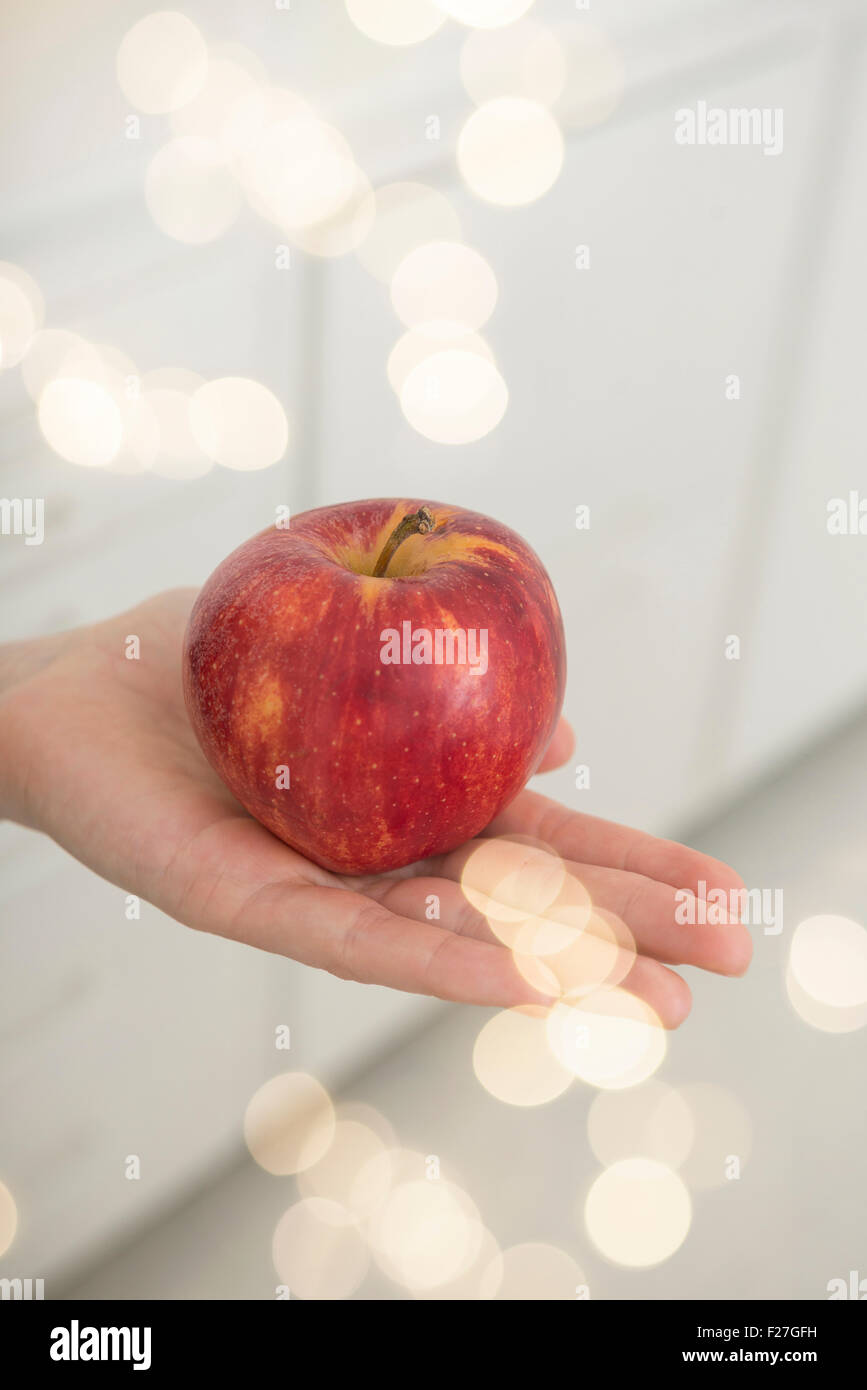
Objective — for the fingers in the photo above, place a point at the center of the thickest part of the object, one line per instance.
(650, 911)
(653, 911)
(360, 939)
(665, 991)
(418, 897)
(471, 971)
(384, 934)
(365, 941)
(560, 749)
(589, 840)
(387, 940)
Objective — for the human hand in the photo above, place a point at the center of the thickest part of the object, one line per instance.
(97, 751)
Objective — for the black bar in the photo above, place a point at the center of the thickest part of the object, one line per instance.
(271, 1338)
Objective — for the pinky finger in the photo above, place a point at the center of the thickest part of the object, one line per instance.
(666, 992)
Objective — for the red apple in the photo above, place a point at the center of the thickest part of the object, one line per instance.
(318, 678)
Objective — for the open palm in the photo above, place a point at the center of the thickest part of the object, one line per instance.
(96, 750)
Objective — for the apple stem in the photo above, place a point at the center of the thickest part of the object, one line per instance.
(417, 523)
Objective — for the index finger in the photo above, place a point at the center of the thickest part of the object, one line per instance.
(590, 840)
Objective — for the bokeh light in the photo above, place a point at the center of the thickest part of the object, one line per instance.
(523, 60)
(81, 421)
(345, 229)
(638, 1212)
(247, 119)
(139, 449)
(426, 338)
(406, 215)
(47, 356)
(485, 14)
(115, 361)
(444, 280)
(454, 397)
(239, 423)
(162, 62)
(91, 406)
(648, 1121)
(298, 171)
(317, 1252)
(514, 883)
(116, 372)
(426, 1233)
(395, 1165)
(828, 960)
(574, 948)
(370, 1117)
(81, 359)
(172, 451)
(21, 313)
(609, 1038)
(531, 1272)
(510, 151)
(8, 1218)
(212, 114)
(826, 1018)
(289, 1123)
(191, 194)
(595, 76)
(396, 22)
(513, 1060)
(347, 1173)
(475, 1283)
(560, 927)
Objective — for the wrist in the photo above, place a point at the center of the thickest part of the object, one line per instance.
(20, 662)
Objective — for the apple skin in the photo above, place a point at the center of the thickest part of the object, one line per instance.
(388, 763)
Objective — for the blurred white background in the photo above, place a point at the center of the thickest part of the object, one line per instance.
(708, 518)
